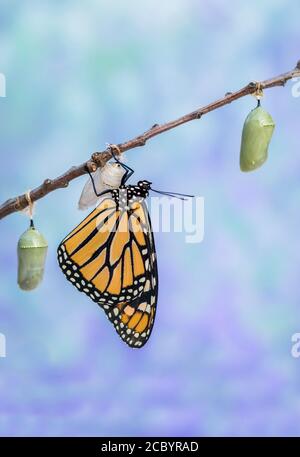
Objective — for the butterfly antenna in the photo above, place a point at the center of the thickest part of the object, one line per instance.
(173, 194)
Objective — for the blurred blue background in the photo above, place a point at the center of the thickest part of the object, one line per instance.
(80, 74)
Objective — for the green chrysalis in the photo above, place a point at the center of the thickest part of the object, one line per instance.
(32, 250)
(257, 133)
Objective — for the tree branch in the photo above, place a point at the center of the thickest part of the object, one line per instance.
(98, 159)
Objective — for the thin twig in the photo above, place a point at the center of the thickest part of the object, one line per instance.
(98, 159)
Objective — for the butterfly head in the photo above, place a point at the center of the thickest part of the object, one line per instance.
(142, 188)
(145, 185)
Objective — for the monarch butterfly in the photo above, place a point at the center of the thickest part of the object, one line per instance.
(110, 256)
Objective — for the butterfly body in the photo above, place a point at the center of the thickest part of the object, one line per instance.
(124, 196)
(110, 256)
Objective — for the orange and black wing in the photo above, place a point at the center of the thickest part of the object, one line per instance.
(110, 256)
(103, 257)
(133, 320)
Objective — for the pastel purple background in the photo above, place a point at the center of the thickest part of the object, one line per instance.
(80, 74)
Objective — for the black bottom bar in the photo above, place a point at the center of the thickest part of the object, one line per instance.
(134, 446)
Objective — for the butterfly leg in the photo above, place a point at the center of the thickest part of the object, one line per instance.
(128, 171)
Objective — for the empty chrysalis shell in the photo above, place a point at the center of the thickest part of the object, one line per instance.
(32, 250)
(107, 177)
(257, 133)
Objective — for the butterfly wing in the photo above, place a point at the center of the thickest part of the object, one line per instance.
(133, 320)
(110, 256)
(103, 258)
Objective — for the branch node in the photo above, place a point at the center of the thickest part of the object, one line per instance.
(97, 158)
(252, 85)
(141, 141)
(47, 182)
(17, 204)
(199, 114)
(298, 65)
(154, 126)
(91, 165)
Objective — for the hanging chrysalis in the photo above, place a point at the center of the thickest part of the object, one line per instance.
(32, 251)
(257, 133)
(107, 177)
